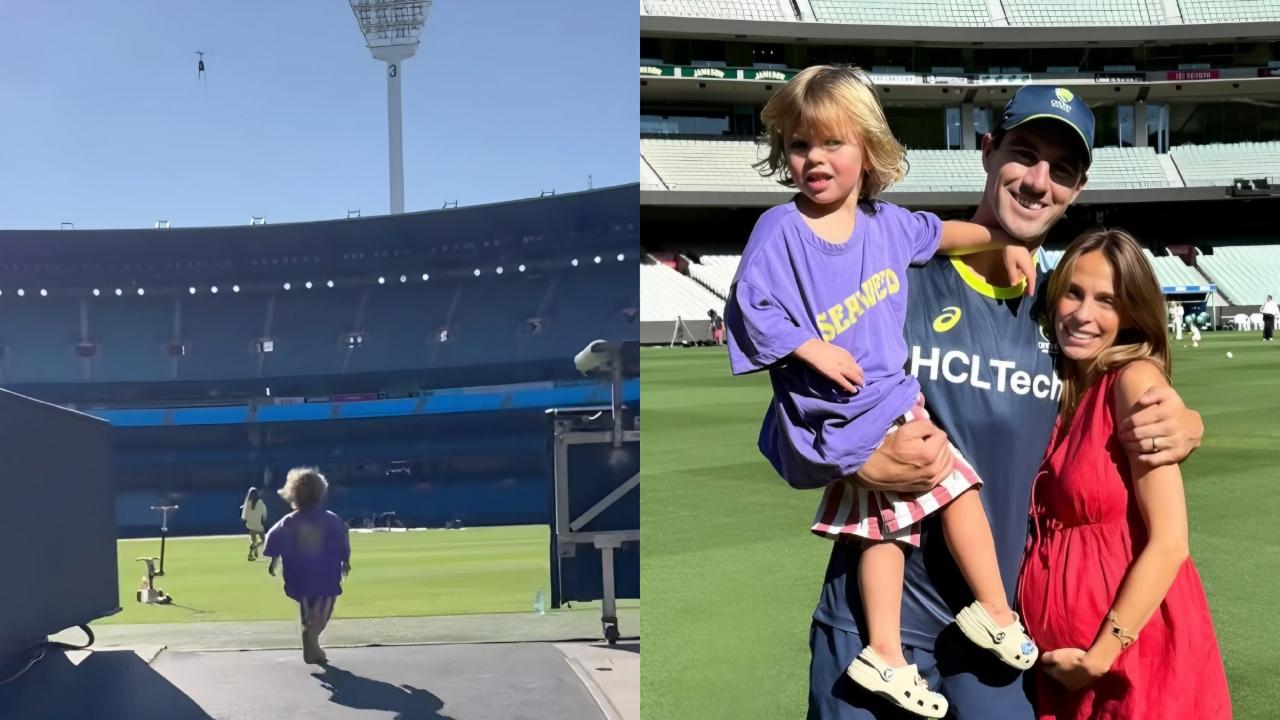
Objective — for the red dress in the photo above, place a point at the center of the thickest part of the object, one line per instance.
(1086, 531)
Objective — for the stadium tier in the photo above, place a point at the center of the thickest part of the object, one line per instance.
(412, 357)
(1246, 275)
(666, 295)
(974, 13)
(726, 164)
(463, 291)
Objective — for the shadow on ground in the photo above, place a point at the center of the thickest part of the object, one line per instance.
(362, 693)
(107, 685)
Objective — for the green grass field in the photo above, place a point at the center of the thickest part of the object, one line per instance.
(731, 573)
(438, 572)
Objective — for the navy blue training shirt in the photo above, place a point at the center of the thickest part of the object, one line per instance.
(987, 375)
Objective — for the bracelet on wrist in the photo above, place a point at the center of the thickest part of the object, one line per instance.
(1124, 635)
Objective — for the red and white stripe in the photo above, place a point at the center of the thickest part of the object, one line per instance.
(851, 510)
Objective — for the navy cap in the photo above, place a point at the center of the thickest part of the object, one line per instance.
(1033, 102)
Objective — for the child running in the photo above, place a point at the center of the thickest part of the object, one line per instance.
(819, 300)
(254, 514)
(316, 551)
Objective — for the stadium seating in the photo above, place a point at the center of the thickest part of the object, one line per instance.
(1117, 168)
(975, 13)
(706, 164)
(1229, 11)
(1101, 13)
(725, 164)
(716, 272)
(1220, 164)
(1245, 275)
(772, 10)
(666, 295)
(942, 171)
(961, 13)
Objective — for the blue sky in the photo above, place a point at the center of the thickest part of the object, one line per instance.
(104, 123)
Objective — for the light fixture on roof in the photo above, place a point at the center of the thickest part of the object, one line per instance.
(191, 290)
(382, 281)
(234, 289)
(477, 272)
(330, 283)
(521, 268)
(426, 277)
(119, 292)
(141, 292)
(574, 262)
(95, 292)
(44, 293)
(307, 285)
(597, 259)
(391, 30)
(404, 278)
(214, 289)
(288, 286)
(499, 270)
(621, 257)
(21, 292)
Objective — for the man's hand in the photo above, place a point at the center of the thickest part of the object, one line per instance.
(1163, 431)
(832, 362)
(914, 458)
(1072, 667)
(1019, 265)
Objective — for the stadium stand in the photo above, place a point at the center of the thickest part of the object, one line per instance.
(703, 164)
(1101, 13)
(1172, 272)
(1229, 11)
(964, 13)
(1221, 164)
(666, 295)
(976, 13)
(716, 272)
(1127, 168)
(1246, 275)
(773, 10)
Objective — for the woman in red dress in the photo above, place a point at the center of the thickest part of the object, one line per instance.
(1108, 589)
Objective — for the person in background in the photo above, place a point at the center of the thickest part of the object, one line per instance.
(254, 514)
(316, 551)
(716, 325)
(1269, 312)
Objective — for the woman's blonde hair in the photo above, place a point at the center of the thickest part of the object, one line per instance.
(1139, 304)
(304, 488)
(832, 99)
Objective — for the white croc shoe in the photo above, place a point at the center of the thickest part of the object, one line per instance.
(901, 686)
(1009, 643)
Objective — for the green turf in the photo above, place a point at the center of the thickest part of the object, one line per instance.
(731, 573)
(437, 572)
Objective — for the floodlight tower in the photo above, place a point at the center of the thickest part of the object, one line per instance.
(391, 30)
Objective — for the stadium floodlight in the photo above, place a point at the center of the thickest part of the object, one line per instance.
(191, 290)
(597, 259)
(621, 257)
(288, 286)
(499, 270)
(426, 277)
(95, 292)
(391, 30)
(521, 268)
(141, 291)
(213, 289)
(477, 272)
(574, 262)
(44, 293)
(329, 283)
(307, 285)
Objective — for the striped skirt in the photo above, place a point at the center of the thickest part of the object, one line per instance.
(849, 510)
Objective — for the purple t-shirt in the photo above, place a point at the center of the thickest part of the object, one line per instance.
(791, 286)
(313, 544)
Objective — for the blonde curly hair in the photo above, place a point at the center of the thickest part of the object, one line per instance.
(304, 488)
(840, 100)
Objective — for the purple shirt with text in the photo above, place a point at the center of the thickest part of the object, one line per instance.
(313, 544)
(792, 286)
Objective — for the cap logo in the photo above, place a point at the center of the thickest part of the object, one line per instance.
(1064, 96)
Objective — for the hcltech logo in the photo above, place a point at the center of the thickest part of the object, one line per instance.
(947, 320)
